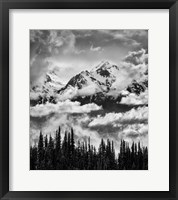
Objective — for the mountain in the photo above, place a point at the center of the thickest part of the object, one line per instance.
(138, 87)
(106, 73)
(102, 75)
(46, 89)
(98, 80)
(93, 86)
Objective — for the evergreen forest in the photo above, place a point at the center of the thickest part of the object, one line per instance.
(56, 154)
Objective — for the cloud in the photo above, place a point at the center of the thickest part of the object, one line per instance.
(48, 117)
(130, 126)
(135, 115)
(37, 68)
(132, 38)
(82, 134)
(137, 57)
(95, 48)
(83, 33)
(125, 39)
(80, 49)
(62, 107)
(66, 121)
(133, 99)
(135, 130)
(89, 90)
(72, 92)
(133, 67)
(45, 45)
(53, 42)
(136, 63)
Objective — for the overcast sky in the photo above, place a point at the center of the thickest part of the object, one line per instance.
(71, 51)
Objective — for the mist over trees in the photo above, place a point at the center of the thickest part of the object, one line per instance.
(57, 154)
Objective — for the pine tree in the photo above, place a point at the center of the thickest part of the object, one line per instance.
(58, 149)
(90, 156)
(51, 154)
(33, 158)
(72, 141)
(40, 153)
(46, 142)
(72, 149)
(121, 156)
(64, 157)
(133, 156)
(45, 153)
(113, 164)
(145, 158)
(140, 157)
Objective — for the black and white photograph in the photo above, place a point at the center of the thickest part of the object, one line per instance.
(88, 99)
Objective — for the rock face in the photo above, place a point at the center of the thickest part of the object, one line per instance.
(86, 87)
(98, 80)
(137, 87)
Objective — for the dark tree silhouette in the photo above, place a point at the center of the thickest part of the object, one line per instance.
(54, 153)
(33, 157)
(40, 153)
(58, 149)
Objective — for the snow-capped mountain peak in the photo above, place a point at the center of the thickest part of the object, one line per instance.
(105, 65)
(52, 77)
(78, 80)
(47, 87)
(98, 80)
(106, 73)
(91, 85)
(102, 64)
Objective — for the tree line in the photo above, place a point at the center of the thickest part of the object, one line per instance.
(57, 154)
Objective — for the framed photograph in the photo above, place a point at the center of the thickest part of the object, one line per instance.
(88, 99)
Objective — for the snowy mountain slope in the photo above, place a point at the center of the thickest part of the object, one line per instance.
(95, 86)
(105, 73)
(46, 90)
(98, 80)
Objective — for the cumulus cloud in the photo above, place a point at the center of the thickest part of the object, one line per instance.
(135, 115)
(133, 67)
(66, 121)
(130, 126)
(62, 107)
(135, 130)
(133, 99)
(83, 134)
(67, 115)
(89, 90)
(137, 57)
(135, 64)
(48, 117)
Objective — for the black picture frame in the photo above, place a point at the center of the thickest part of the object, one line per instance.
(5, 6)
